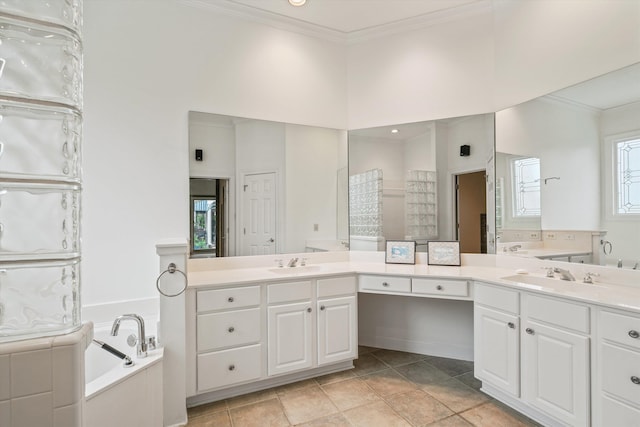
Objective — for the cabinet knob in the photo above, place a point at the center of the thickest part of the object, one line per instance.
(230, 299)
(385, 284)
(232, 367)
(309, 310)
(439, 287)
(231, 329)
(322, 307)
(634, 334)
(530, 331)
(511, 325)
(635, 380)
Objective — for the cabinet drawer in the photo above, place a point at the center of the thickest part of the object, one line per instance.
(287, 292)
(497, 297)
(228, 329)
(441, 287)
(336, 286)
(618, 414)
(385, 283)
(620, 328)
(228, 298)
(620, 368)
(556, 312)
(226, 367)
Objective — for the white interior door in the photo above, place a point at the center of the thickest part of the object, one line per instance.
(258, 230)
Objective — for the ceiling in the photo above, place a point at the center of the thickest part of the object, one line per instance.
(349, 16)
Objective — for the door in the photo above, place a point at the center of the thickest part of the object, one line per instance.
(497, 349)
(290, 331)
(471, 212)
(555, 372)
(337, 330)
(258, 229)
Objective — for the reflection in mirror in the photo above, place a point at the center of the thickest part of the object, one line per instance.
(587, 138)
(401, 183)
(517, 194)
(274, 187)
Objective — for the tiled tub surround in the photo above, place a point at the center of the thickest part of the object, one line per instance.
(613, 293)
(42, 380)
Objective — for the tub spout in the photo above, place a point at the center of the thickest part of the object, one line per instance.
(141, 349)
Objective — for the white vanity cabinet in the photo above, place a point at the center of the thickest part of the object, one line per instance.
(337, 320)
(228, 337)
(618, 368)
(535, 351)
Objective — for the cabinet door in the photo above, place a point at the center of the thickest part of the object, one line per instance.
(555, 372)
(290, 331)
(497, 349)
(337, 330)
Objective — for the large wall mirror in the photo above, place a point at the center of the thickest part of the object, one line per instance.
(422, 181)
(568, 173)
(260, 187)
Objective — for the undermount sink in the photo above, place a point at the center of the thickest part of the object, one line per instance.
(302, 269)
(535, 280)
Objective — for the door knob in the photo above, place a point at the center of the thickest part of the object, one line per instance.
(634, 334)
(511, 325)
(270, 240)
(530, 331)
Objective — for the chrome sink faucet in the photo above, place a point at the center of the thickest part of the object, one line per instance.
(292, 262)
(141, 349)
(564, 274)
(514, 248)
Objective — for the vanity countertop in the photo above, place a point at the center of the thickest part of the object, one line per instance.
(544, 253)
(621, 296)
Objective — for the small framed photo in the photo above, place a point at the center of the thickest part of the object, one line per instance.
(443, 253)
(400, 252)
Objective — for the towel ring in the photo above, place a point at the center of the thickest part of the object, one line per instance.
(606, 244)
(171, 269)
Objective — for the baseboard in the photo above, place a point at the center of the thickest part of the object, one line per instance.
(439, 349)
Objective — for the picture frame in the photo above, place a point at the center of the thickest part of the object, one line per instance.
(400, 252)
(443, 253)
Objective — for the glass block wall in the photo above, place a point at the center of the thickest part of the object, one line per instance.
(365, 203)
(421, 205)
(40, 167)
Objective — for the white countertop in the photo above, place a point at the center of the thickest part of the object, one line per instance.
(606, 291)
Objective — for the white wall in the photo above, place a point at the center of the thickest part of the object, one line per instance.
(566, 139)
(149, 62)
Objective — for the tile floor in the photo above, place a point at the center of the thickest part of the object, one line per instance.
(386, 389)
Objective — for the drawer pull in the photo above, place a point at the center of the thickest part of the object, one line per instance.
(231, 329)
(634, 334)
(309, 310)
(635, 380)
(230, 299)
(530, 331)
(439, 287)
(322, 308)
(232, 367)
(385, 284)
(511, 325)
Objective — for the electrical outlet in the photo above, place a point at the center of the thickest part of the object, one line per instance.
(534, 235)
(517, 235)
(570, 236)
(315, 227)
(550, 236)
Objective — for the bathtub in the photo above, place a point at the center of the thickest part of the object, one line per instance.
(115, 395)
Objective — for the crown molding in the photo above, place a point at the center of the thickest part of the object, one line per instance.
(286, 23)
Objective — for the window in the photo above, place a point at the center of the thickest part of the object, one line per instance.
(526, 187)
(204, 225)
(627, 173)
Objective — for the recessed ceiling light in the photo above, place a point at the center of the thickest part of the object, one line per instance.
(394, 131)
(297, 2)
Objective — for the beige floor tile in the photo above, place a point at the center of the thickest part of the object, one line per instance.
(422, 373)
(452, 367)
(296, 387)
(377, 414)
(306, 405)
(491, 415)
(388, 382)
(338, 376)
(454, 421)
(366, 364)
(246, 399)
(457, 396)
(468, 379)
(350, 393)
(335, 420)
(396, 358)
(214, 419)
(207, 408)
(364, 349)
(419, 408)
(262, 414)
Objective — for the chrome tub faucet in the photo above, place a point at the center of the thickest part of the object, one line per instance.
(141, 349)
